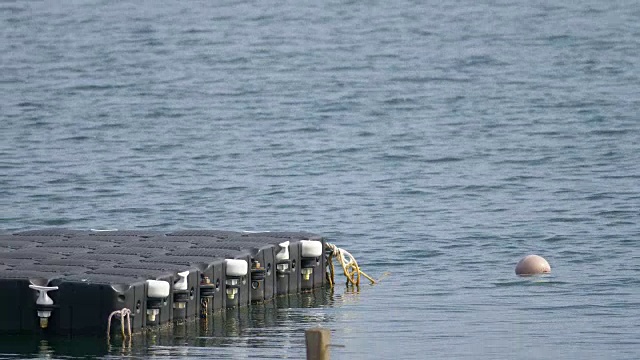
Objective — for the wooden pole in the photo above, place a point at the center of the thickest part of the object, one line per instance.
(317, 340)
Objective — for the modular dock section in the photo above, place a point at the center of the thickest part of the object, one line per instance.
(60, 281)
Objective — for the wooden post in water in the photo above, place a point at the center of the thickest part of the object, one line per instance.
(317, 340)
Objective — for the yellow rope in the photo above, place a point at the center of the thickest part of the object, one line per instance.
(349, 266)
(122, 314)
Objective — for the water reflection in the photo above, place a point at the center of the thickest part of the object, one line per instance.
(44, 350)
(22, 346)
(274, 329)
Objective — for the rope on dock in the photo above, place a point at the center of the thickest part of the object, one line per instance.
(122, 313)
(349, 266)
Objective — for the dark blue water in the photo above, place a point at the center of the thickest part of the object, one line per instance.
(439, 142)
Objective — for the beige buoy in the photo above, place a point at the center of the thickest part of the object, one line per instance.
(532, 265)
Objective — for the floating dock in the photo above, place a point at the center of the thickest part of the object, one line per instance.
(73, 282)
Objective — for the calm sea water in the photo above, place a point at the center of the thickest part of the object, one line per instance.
(438, 141)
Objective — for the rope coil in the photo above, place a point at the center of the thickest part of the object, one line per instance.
(122, 314)
(349, 266)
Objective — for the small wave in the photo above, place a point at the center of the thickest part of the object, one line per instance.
(615, 214)
(77, 138)
(481, 188)
(600, 196)
(13, 9)
(535, 161)
(519, 178)
(95, 87)
(28, 104)
(399, 101)
(480, 60)
(611, 132)
(415, 192)
(570, 219)
(57, 222)
(429, 79)
(541, 280)
(444, 159)
(554, 239)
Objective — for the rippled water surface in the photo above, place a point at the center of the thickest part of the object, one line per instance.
(440, 142)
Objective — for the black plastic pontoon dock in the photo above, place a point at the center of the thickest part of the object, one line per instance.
(62, 281)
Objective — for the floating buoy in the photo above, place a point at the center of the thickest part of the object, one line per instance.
(157, 290)
(236, 269)
(311, 248)
(532, 265)
(310, 251)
